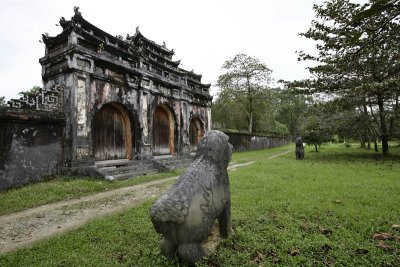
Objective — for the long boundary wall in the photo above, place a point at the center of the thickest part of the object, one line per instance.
(31, 146)
(242, 142)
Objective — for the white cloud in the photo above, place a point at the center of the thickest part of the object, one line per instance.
(203, 33)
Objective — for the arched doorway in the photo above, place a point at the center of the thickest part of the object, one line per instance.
(113, 136)
(163, 131)
(196, 132)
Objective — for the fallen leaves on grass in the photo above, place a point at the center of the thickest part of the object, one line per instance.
(326, 248)
(294, 252)
(275, 259)
(305, 226)
(337, 201)
(383, 245)
(361, 251)
(257, 257)
(324, 231)
(382, 236)
(396, 226)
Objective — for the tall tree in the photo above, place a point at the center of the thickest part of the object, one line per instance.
(358, 56)
(245, 80)
(290, 108)
(222, 114)
(313, 132)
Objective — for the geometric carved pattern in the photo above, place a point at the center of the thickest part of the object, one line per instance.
(46, 100)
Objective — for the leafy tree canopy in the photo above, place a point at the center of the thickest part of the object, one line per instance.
(358, 56)
(244, 82)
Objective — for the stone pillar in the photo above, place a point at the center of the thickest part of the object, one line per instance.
(145, 151)
(81, 122)
(185, 129)
(209, 121)
(80, 117)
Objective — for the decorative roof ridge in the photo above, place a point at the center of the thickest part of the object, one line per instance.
(69, 25)
(137, 36)
(170, 68)
(167, 58)
(177, 62)
(191, 73)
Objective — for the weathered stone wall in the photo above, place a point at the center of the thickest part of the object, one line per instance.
(31, 146)
(242, 142)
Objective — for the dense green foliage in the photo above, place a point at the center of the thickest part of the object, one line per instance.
(322, 211)
(314, 132)
(244, 93)
(275, 111)
(358, 48)
(291, 109)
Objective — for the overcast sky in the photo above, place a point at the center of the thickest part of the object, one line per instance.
(203, 34)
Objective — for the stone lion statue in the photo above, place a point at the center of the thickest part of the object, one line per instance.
(185, 214)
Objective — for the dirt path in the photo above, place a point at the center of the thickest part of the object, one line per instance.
(235, 166)
(26, 227)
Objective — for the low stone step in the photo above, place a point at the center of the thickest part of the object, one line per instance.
(124, 169)
(178, 162)
(129, 175)
(128, 168)
(119, 163)
(175, 159)
(175, 163)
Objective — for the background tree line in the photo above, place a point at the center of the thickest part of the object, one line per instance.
(358, 67)
(353, 93)
(246, 102)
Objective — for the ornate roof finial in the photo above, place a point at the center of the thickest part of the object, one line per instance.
(76, 11)
(137, 29)
(63, 22)
(164, 45)
(45, 37)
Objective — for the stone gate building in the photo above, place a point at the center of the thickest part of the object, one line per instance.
(104, 98)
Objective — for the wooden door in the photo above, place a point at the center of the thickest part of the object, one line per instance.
(195, 133)
(110, 127)
(161, 132)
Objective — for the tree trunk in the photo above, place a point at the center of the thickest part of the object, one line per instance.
(362, 142)
(384, 134)
(316, 148)
(385, 145)
(376, 146)
(250, 122)
(368, 129)
(249, 91)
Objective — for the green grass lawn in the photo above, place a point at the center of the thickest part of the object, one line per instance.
(63, 188)
(322, 211)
